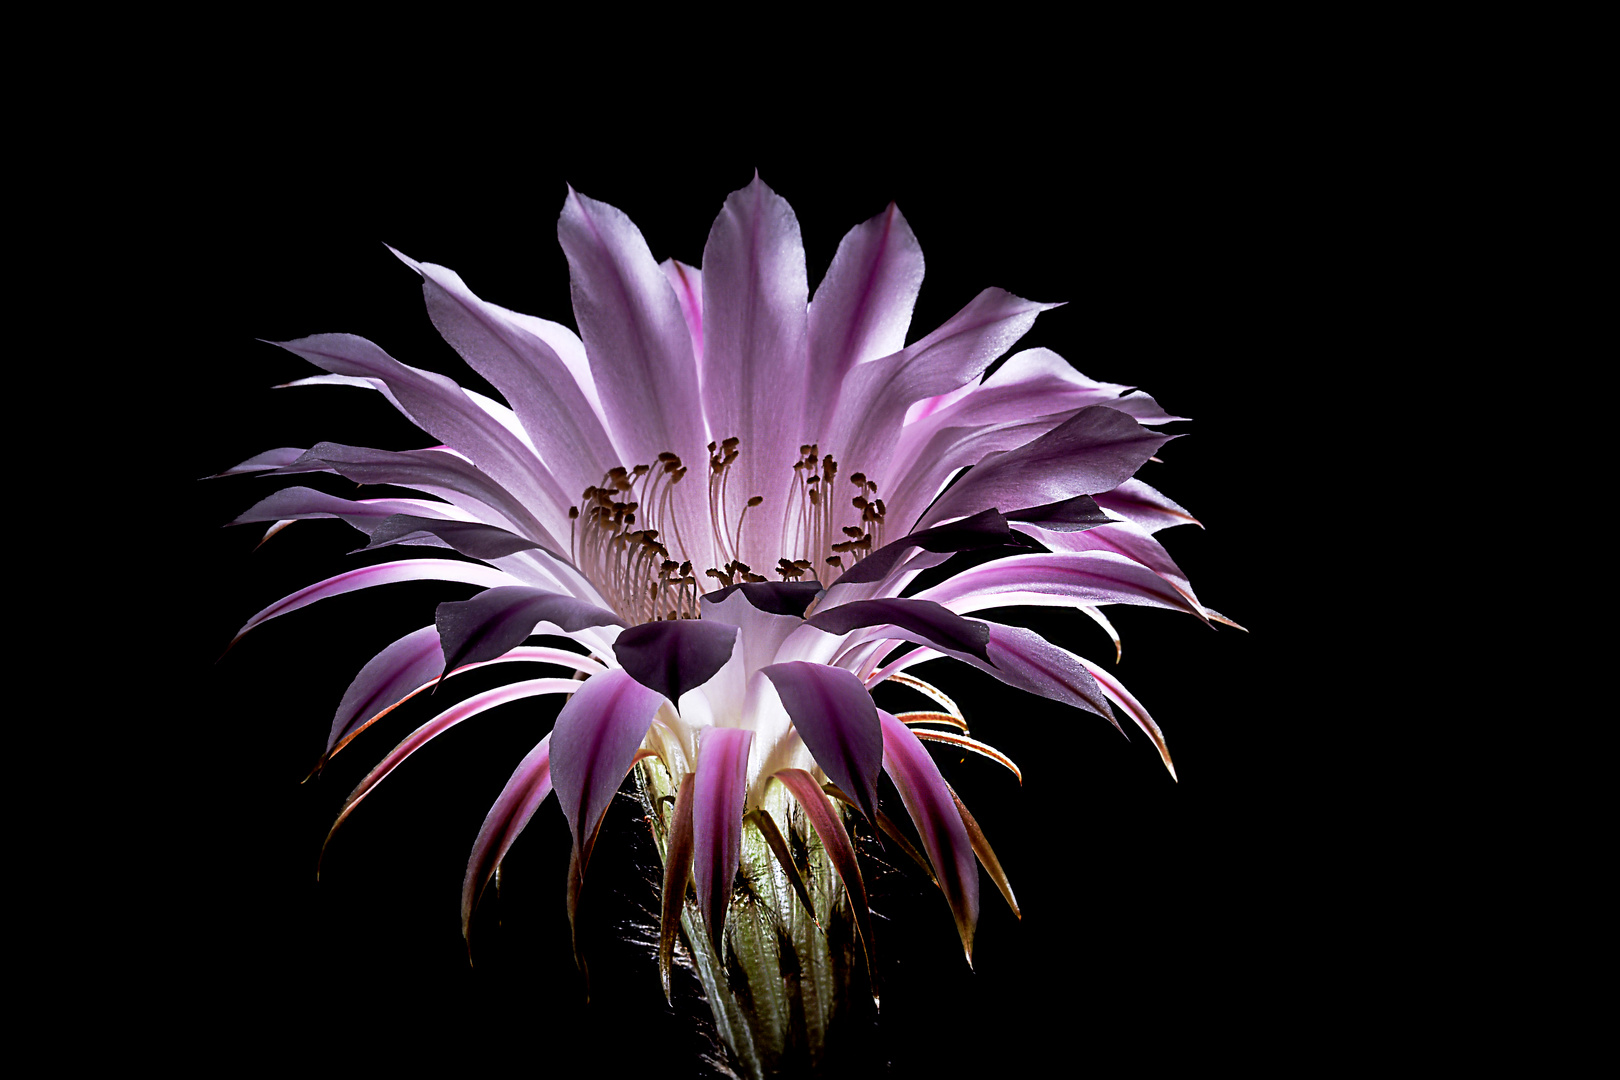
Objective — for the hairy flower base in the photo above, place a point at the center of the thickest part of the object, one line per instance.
(787, 981)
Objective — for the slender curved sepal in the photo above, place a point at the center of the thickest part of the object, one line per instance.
(835, 838)
(717, 806)
(890, 829)
(834, 715)
(677, 872)
(676, 655)
(766, 825)
(1116, 692)
(938, 822)
(519, 799)
(499, 619)
(381, 574)
(987, 856)
(438, 726)
(593, 745)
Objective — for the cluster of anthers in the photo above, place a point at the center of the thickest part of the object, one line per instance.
(635, 570)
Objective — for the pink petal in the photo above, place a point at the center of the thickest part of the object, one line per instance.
(381, 574)
(529, 374)
(1059, 579)
(593, 744)
(444, 722)
(754, 294)
(717, 805)
(834, 715)
(1136, 501)
(862, 307)
(938, 822)
(528, 787)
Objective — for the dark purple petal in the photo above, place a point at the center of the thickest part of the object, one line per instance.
(818, 809)
(497, 619)
(265, 462)
(381, 574)
(527, 371)
(1095, 450)
(444, 722)
(754, 295)
(771, 597)
(675, 655)
(392, 675)
(299, 503)
(924, 621)
(470, 538)
(1136, 501)
(593, 745)
(717, 805)
(1069, 515)
(528, 787)
(862, 307)
(834, 715)
(677, 872)
(985, 530)
(939, 824)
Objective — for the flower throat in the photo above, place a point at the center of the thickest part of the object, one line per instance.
(634, 570)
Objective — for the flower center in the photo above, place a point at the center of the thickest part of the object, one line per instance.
(633, 567)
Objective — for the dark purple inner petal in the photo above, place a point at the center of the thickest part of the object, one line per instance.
(834, 715)
(772, 597)
(470, 538)
(1068, 515)
(675, 655)
(983, 530)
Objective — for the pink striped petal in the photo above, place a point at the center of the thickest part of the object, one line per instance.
(687, 281)
(381, 574)
(444, 722)
(640, 351)
(754, 295)
(527, 371)
(1123, 698)
(444, 410)
(528, 787)
(944, 836)
(593, 744)
(1136, 501)
(862, 308)
(717, 805)
(1059, 579)
(834, 715)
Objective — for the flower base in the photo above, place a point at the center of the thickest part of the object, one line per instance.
(789, 992)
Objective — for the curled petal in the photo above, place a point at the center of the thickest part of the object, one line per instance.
(717, 804)
(834, 715)
(938, 822)
(381, 574)
(471, 538)
(1065, 578)
(1093, 451)
(675, 655)
(924, 620)
(496, 620)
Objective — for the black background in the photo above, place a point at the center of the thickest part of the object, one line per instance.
(1159, 918)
